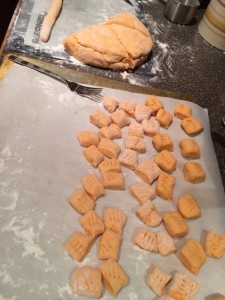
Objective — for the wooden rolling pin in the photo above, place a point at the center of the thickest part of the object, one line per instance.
(50, 19)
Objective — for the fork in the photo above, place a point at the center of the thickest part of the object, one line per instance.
(91, 93)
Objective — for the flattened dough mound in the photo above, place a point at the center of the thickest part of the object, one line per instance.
(123, 42)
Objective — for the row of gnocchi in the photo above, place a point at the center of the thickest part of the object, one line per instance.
(99, 145)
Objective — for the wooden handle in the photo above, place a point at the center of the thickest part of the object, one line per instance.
(49, 19)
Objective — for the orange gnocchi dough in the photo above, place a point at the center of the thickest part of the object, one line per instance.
(109, 245)
(93, 186)
(92, 223)
(93, 155)
(114, 219)
(87, 281)
(81, 201)
(114, 276)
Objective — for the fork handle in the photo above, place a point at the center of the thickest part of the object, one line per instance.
(35, 67)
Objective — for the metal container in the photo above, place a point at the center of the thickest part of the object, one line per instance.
(181, 11)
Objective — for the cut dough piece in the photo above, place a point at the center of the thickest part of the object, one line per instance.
(79, 245)
(87, 281)
(111, 132)
(151, 127)
(145, 239)
(192, 255)
(165, 243)
(100, 119)
(114, 276)
(135, 129)
(93, 156)
(182, 111)
(189, 148)
(165, 185)
(147, 170)
(113, 181)
(188, 207)
(109, 245)
(183, 287)
(92, 224)
(121, 43)
(128, 106)
(135, 143)
(88, 138)
(93, 186)
(157, 280)
(129, 159)
(191, 126)
(81, 201)
(148, 214)
(110, 104)
(142, 112)
(164, 117)
(214, 244)
(142, 192)
(114, 219)
(166, 161)
(109, 148)
(175, 224)
(154, 103)
(110, 165)
(120, 118)
(193, 172)
(162, 142)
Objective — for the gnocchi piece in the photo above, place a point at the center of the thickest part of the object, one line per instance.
(128, 106)
(162, 142)
(193, 172)
(189, 148)
(154, 103)
(110, 104)
(88, 138)
(165, 185)
(165, 243)
(100, 119)
(192, 255)
(135, 129)
(87, 281)
(166, 161)
(191, 126)
(188, 207)
(120, 118)
(93, 155)
(214, 244)
(113, 181)
(182, 111)
(93, 186)
(111, 132)
(109, 245)
(129, 159)
(114, 219)
(142, 112)
(79, 245)
(142, 192)
(81, 201)
(135, 143)
(110, 165)
(148, 214)
(114, 276)
(164, 117)
(92, 224)
(175, 224)
(147, 170)
(183, 287)
(109, 148)
(157, 280)
(151, 127)
(146, 240)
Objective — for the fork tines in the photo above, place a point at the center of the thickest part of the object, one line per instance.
(96, 98)
(88, 90)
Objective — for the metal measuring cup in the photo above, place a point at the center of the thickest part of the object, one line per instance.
(181, 11)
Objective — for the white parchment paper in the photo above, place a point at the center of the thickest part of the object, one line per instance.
(41, 164)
